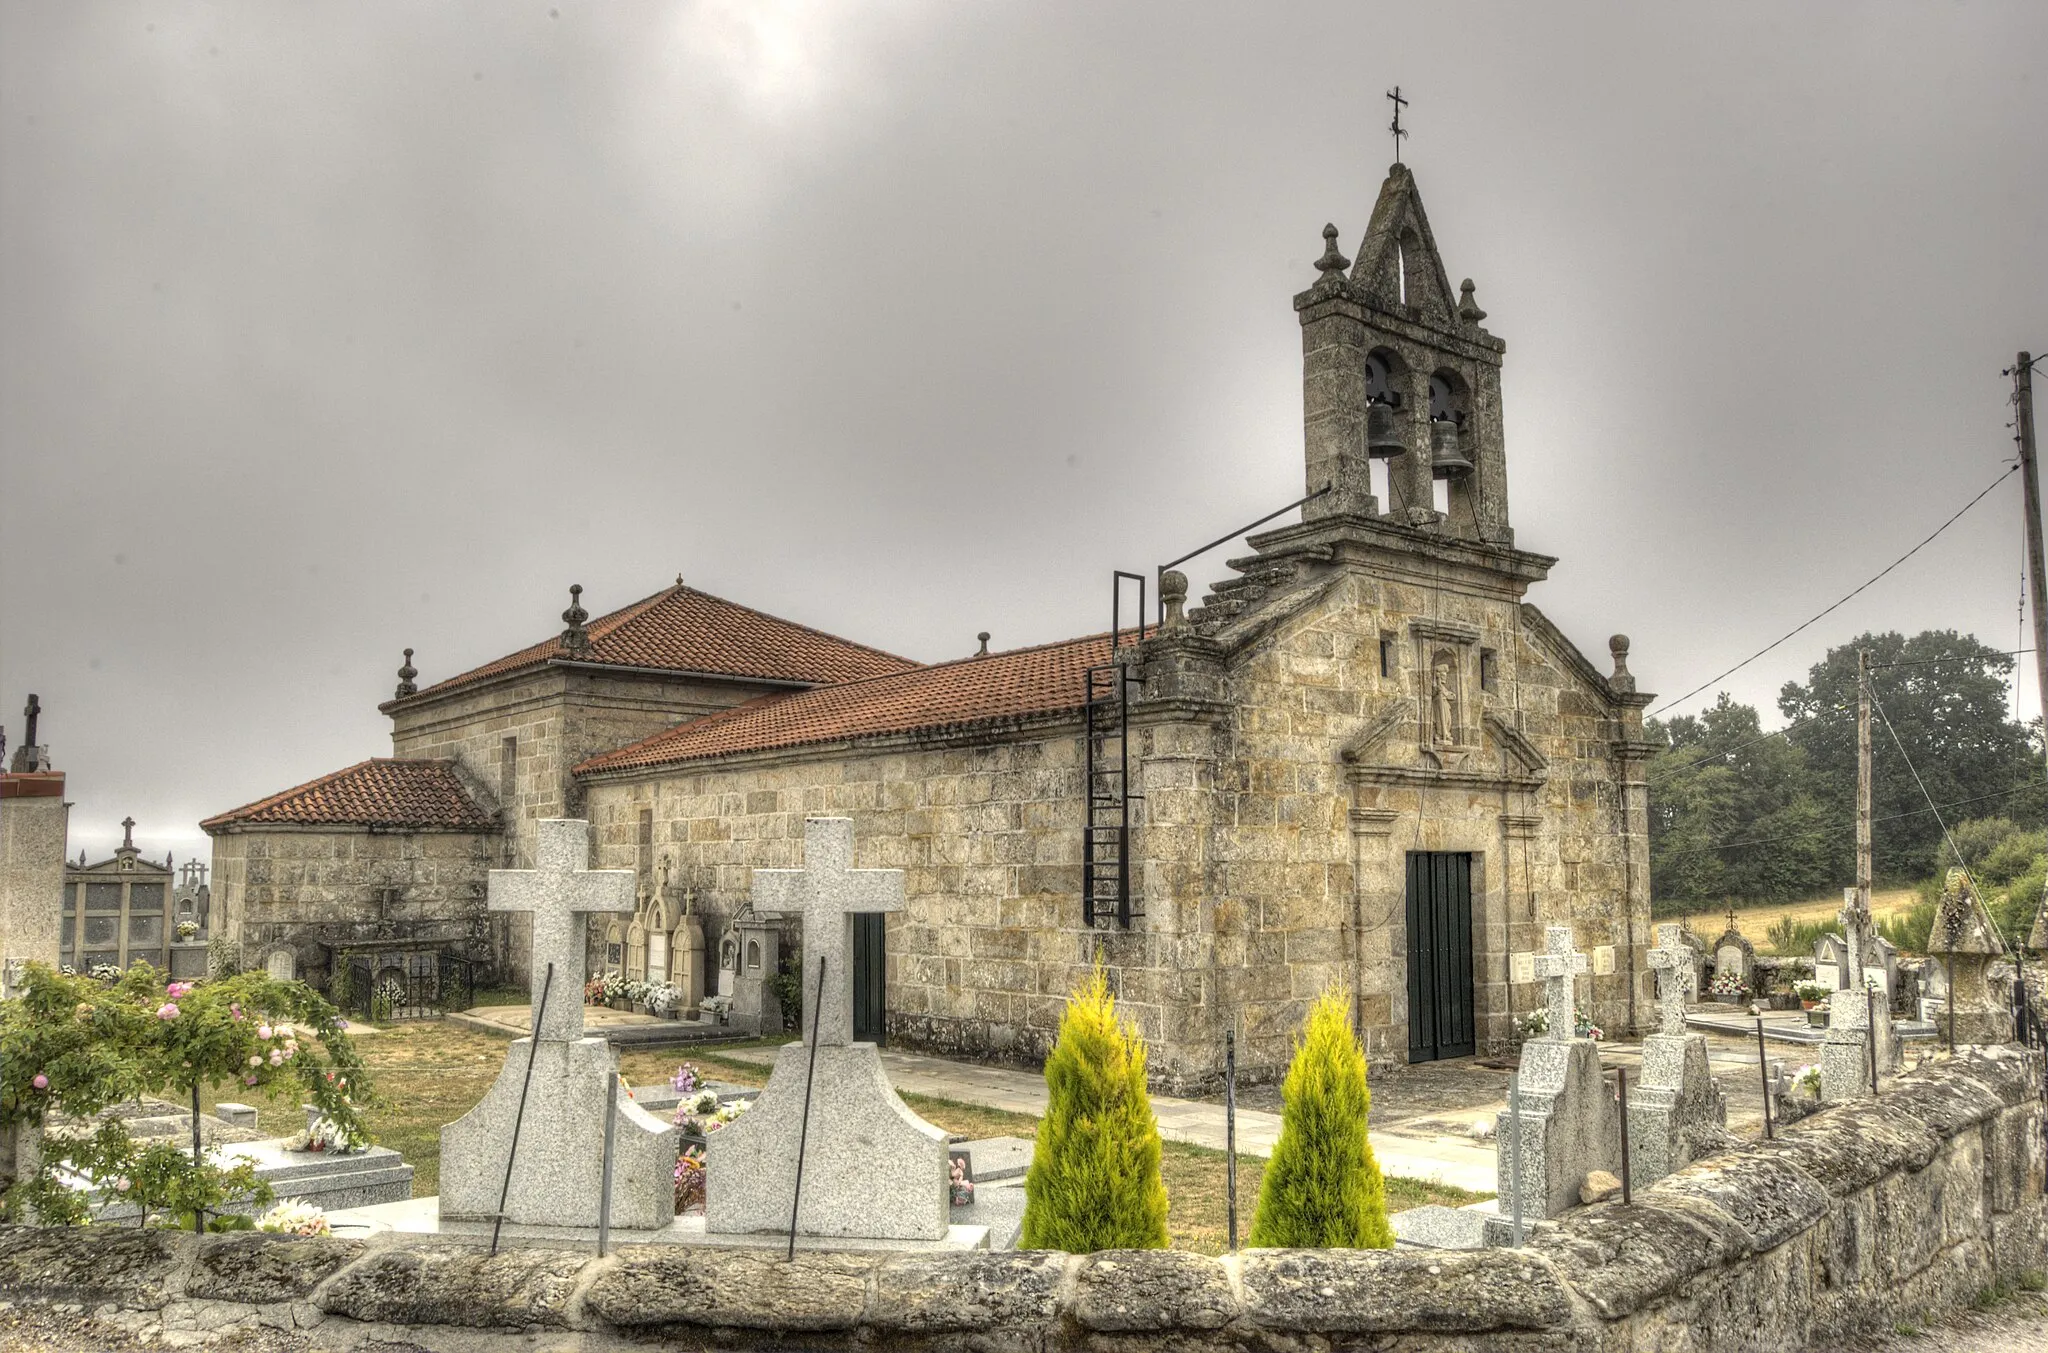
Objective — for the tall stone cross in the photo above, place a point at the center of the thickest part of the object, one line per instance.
(33, 710)
(827, 892)
(1671, 960)
(1855, 919)
(561, 893)
(1560, 969)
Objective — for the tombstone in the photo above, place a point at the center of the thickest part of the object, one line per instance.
(1861, 1046)
(728, 961)
(1568, 1125)
(1831, 962)
(1676, 1113)
(1933, 989)
(1733, 953)
(755, 1005)
(874, 1170)
(686, 956)
(1968, 943)
(282, 964)
(614, 949)
(556, 1175)
(636, 951)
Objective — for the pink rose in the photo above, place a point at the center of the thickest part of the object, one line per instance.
(41, 1082)
(255, 1060)
(168, 1010)
(122, 1185)
(276, 1057)
(263, 1031)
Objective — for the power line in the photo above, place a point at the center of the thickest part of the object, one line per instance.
(1844, 601)
(1715, 758)
(1847, 828)
(1960, 657)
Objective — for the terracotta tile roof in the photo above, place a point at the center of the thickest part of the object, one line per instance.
(684, 630)
(1023, 681)
(381, 792)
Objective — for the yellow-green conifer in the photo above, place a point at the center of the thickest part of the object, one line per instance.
(1094, 1182)
(1322, 1189)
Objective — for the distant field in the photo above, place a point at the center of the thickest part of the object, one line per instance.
(1755, 921)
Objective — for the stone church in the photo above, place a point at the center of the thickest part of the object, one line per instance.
(1365, 759)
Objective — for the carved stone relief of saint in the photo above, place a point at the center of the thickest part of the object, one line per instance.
(1442, 704)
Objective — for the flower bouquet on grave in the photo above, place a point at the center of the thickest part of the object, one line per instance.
(702, 1115)
(1807, 1079)
(1584, 1027)
(718, 1007)
(1537, 1023)
(686, 1079)
(1729, 988)
(1810, 994)
(614, 989)
(593, 991)
(187, 929)
(294, 1217)
(663, 999)
(690, 1193)
(326, 1135)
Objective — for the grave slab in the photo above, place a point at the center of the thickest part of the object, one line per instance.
(1568, 1125)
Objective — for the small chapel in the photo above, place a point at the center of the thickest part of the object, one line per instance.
(1363, 760)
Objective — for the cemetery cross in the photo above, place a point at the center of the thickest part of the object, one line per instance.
(560, 894)
(1559, 968)
(828, 892)
(1676, 978)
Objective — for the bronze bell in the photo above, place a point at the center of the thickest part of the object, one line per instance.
(1383, 432)
(1447, 457)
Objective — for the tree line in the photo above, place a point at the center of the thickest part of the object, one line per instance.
(1738, 814)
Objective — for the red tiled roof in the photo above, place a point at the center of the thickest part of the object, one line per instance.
(381, 792)
(684, 630)
(1023, 681)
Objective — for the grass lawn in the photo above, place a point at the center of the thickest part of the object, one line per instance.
(1755, 920)
(430, 1073)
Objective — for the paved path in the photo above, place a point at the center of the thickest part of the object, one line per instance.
(1462, 1163)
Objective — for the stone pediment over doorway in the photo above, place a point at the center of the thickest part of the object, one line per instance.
(1386, 750)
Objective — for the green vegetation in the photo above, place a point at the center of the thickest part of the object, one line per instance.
(72, 1046)
(1094, 1182)
(1737, 815)
(1322, 1188)
(2010, 865)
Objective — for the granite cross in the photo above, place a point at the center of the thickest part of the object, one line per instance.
(1559, 968)
(560, 894)
(1676, 979)
(33, 709)
(827, 892)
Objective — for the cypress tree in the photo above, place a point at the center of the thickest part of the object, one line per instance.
(1322, 1189)
(1094, 1182)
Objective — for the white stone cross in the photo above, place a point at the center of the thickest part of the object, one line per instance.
(827, 892)
(1677, 979)
(1559, 968)
(561, 894)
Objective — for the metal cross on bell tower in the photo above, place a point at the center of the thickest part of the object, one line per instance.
(1399, 103)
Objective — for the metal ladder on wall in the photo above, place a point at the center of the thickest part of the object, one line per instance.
(1107, 896)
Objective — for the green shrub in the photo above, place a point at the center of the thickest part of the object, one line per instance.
(1322, 1189)
(1094, 1182)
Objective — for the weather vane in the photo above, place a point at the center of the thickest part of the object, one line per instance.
(1395, 126)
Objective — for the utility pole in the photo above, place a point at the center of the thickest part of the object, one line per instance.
(2030, 488)
(1862, 907)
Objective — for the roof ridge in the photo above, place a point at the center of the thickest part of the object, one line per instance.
(284, 794)
(796, 624)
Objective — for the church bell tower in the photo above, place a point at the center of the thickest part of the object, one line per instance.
(1396, 369)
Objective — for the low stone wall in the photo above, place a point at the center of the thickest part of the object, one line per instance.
(1863, 1216)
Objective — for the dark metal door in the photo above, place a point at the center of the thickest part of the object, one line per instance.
(870, 976)
(1439, 956)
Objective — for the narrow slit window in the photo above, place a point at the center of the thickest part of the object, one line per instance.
(1487, 673)
(1386, 655)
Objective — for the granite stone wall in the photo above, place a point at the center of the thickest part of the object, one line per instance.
(1857, 1219)
(555, 717)
(33, 822)
(300, 888)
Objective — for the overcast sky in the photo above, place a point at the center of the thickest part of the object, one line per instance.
(333, 329)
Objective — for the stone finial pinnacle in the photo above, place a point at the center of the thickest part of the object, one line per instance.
(1623, 679)
(1333, 263)
(1468, 309)
(575, 638)
(1173, 595)
(983, 636)
(406, 672)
